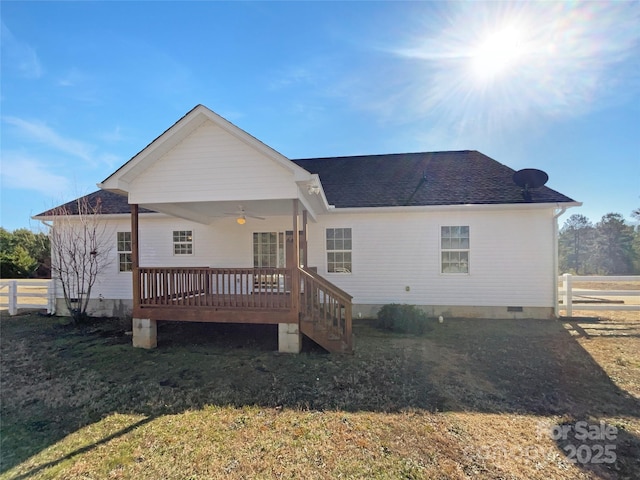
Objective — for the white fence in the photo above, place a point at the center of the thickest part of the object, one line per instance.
(597, 298)
(27, 294)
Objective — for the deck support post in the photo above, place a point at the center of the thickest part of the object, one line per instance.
(289, 338)
(145, 333)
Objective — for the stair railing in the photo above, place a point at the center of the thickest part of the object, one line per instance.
(327, 307)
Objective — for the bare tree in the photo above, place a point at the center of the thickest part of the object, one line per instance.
(79, 251)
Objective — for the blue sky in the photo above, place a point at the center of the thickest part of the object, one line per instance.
(554, 86)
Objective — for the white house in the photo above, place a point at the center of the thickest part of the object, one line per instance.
(201, 226)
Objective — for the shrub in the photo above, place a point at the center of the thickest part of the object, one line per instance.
(403, 319)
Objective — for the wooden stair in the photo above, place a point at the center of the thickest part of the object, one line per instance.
(325, 313)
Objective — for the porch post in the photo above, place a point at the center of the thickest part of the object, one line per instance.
(135, 258)
(289, 336)
(145, 331)
(295, 278)
(304, 239)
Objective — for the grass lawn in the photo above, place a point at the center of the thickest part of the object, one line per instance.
(469, 399)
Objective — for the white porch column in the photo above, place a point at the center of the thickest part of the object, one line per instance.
(145, 333)
(289, 338)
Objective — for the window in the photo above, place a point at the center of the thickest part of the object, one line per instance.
(454, 245)
(339, 250)
(124, 251)
(182, 242)
(268, 249)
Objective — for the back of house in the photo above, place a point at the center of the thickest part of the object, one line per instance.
(450, 232)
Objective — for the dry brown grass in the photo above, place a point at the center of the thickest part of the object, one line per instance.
(472, 399)
(607, 285)
(614, 343)
(26, 286)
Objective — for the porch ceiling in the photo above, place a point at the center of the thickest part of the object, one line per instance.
(208, 212)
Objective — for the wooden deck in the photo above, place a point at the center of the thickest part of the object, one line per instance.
(248, 295)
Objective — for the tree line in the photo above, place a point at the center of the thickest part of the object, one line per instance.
(609, 247)
(24, 254)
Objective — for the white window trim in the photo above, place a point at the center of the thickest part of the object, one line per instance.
(441, 250)
(118, 252)
(173, 244)
(326, 251)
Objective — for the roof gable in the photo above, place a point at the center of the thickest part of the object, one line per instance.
(122, 178)
(212, 165)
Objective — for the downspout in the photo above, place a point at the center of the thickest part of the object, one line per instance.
(53, 281)
(556, 309)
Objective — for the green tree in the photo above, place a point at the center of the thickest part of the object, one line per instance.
(6, 240)
(575, 245)
(636, 242)
(24, 262)
(613, 247)
(23, 253)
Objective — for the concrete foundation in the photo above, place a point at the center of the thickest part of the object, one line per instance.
(101, 307)
(145, 333)
(462, 311)
(289, 338)
(122, 308)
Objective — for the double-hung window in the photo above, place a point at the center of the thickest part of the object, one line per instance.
(183, 242)
(124, 251)
(454, 249)
(339, 250)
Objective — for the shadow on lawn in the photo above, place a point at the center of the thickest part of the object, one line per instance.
(84, 449)
(78, 376)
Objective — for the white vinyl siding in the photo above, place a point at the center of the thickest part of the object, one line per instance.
(511, 257)
(212, 165)
(124, 251)
(512, 254)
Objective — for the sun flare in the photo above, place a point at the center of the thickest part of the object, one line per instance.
(498, 53)
(490, 67)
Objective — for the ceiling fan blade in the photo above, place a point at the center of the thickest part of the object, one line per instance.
(244, 213)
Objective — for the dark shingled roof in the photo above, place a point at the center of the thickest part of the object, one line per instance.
(450, 178)
(110, 203)
(403, 179)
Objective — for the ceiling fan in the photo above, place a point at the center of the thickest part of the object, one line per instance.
(241, 215)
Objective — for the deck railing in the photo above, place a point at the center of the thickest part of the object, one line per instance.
(326, 306)
(246, 288)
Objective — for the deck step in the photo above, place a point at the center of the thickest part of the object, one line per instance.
(331, 342)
